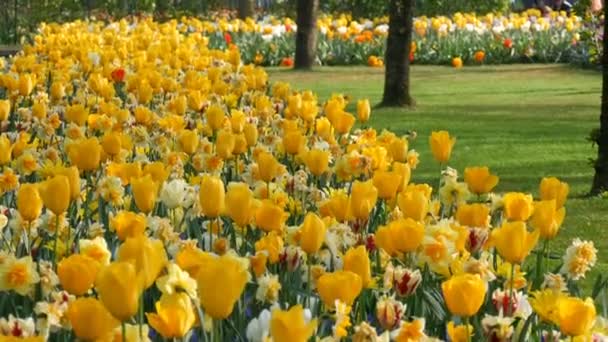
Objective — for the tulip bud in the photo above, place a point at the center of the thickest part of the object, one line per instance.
(145, 191)
(363, 110)
(5, 109)
(441, 145)
(82, 312)
(389, 312)
(55, 194)
(212, 196)
(188, 141)
(477, 239)
(312, 233)
(406, 281)
(29, 202)
(77, 273)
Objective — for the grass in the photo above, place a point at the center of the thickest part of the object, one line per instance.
(525, 122)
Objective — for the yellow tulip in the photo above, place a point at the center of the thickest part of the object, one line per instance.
(29, 202)
(26, 84)
(5, 109)
(547, 218)
(473, 215)
(77, 114)
(148, 256)
(55, 194)
(145, 191)
(73, 179)
(144, 92)
(86, 154)
(188, 141)
(220, 285)
(270, 217)
(441, 145)
(363, 199)
(317, 161)
(57, 90)
(128, 224)
(518, 206)
(124, 171)
(400, 236)
(356, 260)
(575, 315)
(77, 273)
(215, 117)
(293, 141)
(464, 294)
(363, 110)
(174, 315)
(158, 171)
(413, 204)
(343, 285)
(240, 144)
(89, 319)
(111, 143)
(312, 233)
(479, 180)
(387, 183)
(212, 196)
(272, 244)
(553, 188)
(268, 166)
(251, 134)
(405, 173)
(224, 144)
(191, 259)
(239, 201)
(336, 206)
(6, 150)
(397, 149)
(237, 121)
(460, 333)
(290, 326)
(513, 241)
(343, 122)
(39, 110)
(120, 288)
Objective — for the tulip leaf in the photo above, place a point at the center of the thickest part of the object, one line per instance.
(523, 336)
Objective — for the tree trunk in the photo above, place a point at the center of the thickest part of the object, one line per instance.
(397, 72)
(600, 181)
(245, 9)
(306, 37)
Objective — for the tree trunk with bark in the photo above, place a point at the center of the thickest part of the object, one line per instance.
(246, 9)
(600, 181)
(397, 72)
(306, 37)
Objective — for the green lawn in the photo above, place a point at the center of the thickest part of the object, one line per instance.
(523, 121)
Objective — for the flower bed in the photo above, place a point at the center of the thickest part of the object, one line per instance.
(475, 39)
(154, 188)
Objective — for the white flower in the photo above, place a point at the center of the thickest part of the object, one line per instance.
(175, 193)
(177, 280)
(268, 288)
(258, 328)
(17, 327)
(579, 259)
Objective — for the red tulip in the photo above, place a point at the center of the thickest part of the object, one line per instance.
(118, 75)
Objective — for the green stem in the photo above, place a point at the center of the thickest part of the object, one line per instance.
(467, 328)
(55, 257)
(123, 329)
(141, 316)
(309, 281)
(511, 286)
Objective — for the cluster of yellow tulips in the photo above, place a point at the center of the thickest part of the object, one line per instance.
(153, 188)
